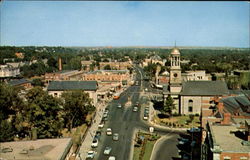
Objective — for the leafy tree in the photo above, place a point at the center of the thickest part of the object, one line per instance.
(107, 67)
(7, 131)
(77, 105)
(42, 113)
(169, 105)
(37, 82)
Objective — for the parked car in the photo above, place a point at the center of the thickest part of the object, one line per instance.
(91, 154)
(111, 158)
(98, 135)
(194, 130)
(135, 109)
(115, 136)
(101, 124)
(107, 150)
(183, 141)
(109, 131)
(104, 118)
(94, 143)
(145, 116)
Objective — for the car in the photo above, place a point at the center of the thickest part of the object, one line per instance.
(94, 143)
(90, 154)
(119, 105)
(105, 114)
(104, 118)
(145, 117)
(146, 89)
(135, 109)
(98, 134)
(183, 141)
(194, 130)
(101, 124)
(146, 111)
(115, 136)
(111, 158)
(107, 150)
(106, 111)
(109, 131)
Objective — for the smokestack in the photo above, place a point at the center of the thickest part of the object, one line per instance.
(60, 63)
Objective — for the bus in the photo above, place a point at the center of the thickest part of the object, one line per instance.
(116, 96)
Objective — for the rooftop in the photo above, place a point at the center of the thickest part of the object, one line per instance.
(228, 142)
(72, 85)
(108, 71)
(204, 88)
(43, 149)
(18, 82)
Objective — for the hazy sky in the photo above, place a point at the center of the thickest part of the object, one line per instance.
(122, 23)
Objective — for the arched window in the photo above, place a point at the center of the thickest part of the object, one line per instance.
(190, 105)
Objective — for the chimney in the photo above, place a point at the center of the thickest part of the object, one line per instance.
(60, 63)
(227, 117)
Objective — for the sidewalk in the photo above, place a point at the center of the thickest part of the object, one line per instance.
(86, 144)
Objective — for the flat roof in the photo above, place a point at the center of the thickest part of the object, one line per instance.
(44, 149)
(228, 142)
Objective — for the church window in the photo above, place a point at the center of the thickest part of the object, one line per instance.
(190, 105)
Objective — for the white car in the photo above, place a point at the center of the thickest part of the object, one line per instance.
(107, 150)
(94, 143)
(115, 136)
(90, 154)
(111, 158)
(145, 117)
(101, 124)
(135, 109)
(109, 131)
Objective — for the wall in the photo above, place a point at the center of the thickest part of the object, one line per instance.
(234, 156)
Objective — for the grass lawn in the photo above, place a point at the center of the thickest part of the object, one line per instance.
(147, 149)
(179, 121)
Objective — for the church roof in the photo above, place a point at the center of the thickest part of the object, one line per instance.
(204, 88)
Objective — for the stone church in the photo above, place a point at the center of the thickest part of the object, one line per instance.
(191, 96)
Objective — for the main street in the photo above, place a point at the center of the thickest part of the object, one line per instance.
(124, 121)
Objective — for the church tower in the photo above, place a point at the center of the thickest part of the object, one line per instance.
(175, 72)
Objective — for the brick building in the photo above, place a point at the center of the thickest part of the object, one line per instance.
(64, 75)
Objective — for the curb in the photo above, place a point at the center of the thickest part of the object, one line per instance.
(156, 143)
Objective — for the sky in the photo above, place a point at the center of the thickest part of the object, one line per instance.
(123, 23)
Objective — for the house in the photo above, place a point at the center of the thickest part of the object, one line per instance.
(195, 76)
(21, 83)
(7, 71)
(56, 88)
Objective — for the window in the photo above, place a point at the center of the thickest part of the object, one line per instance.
(190, 105)
(190, 109)
(55, 94)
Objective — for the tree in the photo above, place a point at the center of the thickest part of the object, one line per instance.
(7, 131)
(77, 105)
(42, 113)
(169, 105)
(107, 67)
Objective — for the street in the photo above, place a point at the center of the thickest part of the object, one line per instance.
(124, 121)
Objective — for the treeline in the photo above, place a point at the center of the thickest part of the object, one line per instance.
(38, 113)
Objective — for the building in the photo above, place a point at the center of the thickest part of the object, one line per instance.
(56, 88)
(121, 76)
(116, 65)
(63, 75)
(155, 59)
(86, 65)
(49, 149)
(195, 76)
(7, 71)
(196, 95)
(226, 142)
(19, 55)
(26, 84)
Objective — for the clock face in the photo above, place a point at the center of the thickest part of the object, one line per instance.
(175, 74)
